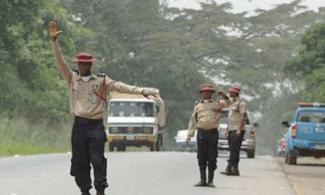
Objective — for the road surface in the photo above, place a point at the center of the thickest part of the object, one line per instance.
(308, 177)
(141, 173)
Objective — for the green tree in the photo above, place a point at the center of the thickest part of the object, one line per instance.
(137, 45)
(146, 43)
(176, 49)
(251, 50)
(309, 63)
(30, 85)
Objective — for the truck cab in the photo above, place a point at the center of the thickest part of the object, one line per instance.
(306, 132)
(133, 120)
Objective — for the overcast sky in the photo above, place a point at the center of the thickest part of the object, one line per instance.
(247, 5)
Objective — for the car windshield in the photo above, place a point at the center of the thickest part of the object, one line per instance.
(311, 117)
(131, 109)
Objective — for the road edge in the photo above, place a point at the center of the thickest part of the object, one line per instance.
(296, 188)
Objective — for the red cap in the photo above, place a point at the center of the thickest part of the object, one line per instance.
(235, 89)
(206, 87)
(83, 57)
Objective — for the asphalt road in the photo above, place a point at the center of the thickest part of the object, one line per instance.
(141, 173)
(308, 177)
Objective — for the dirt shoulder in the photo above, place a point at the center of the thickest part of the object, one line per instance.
(307, 177)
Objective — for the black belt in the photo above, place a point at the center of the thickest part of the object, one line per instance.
(236, 130)
(215, 130)
(87, 120)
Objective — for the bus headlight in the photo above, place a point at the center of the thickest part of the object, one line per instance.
(113, 130)
(148, 130)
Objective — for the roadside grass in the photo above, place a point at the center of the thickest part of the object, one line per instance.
(18, 136)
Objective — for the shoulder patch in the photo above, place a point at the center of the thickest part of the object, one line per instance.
(101, 74)
(241, 101)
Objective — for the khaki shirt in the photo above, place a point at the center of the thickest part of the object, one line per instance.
(206, 115)
(237, 107)
(88, 98)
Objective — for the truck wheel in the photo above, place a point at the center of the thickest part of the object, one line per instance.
(286, 157)
(111, 147)
(152, 147)
(121, 148)
(161, 140)
(158, 145)
(250, 153)
(292, 157)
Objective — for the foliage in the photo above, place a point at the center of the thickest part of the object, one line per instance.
(138, 46)
(309, 63)
(312, 52)
(29, 85)
(146, 43)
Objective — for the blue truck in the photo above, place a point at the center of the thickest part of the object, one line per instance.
(306, 132)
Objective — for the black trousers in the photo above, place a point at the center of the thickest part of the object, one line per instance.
(207, 149)
(234, 146)
(88, 146)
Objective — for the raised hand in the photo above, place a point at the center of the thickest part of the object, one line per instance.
(188, 140)
(150, 91)
(53, 30)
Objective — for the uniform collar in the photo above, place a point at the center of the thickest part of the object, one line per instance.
(206, 100)
(93, 76)
(236, 99)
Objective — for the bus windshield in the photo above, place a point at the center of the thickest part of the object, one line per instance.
(131, 109)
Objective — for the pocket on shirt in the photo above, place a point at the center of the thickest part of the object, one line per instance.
(76, 92)
(235, 108)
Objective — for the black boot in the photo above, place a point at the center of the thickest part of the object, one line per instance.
(100, 193)
(210, 179)
(85, 193)
(203, 181)
(235, 170)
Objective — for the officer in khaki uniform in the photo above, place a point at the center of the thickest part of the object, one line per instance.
(205, 119)
(88, 103)
(236, 129)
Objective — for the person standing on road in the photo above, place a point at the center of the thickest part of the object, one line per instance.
(236, 129)
(205, 119)
(88, 93)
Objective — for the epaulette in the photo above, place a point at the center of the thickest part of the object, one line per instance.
(203, 101)
(76, 71)
(101, 74)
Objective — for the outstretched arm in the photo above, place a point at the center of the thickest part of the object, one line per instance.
(223, 101)
(125, 88)
(60, 62)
